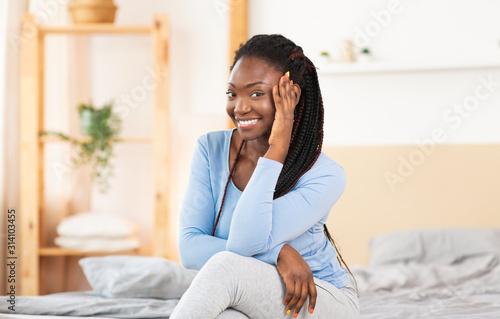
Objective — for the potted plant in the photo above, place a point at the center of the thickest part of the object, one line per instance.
(365, 55)
(100, 127)
(325, 56)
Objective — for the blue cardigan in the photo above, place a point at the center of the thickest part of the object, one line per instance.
(252, 223)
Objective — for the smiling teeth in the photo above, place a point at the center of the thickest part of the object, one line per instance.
(248, 122)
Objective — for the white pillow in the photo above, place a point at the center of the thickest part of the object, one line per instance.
(93, 224)
(400, 247)
(432, 245)
(451, 245)
(136, 276)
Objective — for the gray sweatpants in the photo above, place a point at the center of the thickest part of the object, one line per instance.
(251, 288)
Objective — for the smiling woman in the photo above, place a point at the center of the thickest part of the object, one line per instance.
(266, 255)
(251, 101)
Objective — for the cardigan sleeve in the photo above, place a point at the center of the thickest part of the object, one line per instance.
(260, 223)
(197, 216)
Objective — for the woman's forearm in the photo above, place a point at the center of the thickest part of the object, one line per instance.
(196, 249)
(277, 153)
(252, 220)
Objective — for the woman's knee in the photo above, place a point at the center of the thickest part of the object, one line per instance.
(230, 313)
(225, 259)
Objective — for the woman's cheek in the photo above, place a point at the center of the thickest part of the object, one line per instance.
(230, 110)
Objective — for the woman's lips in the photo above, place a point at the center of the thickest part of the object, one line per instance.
(248, 123)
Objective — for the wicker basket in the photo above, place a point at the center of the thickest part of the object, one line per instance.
(93, 11)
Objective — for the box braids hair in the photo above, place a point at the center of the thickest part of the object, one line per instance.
(307, 133)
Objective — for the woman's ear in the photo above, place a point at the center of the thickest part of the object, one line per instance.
(297, 91)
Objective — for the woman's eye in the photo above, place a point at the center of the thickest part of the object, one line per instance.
(230, 94)
(257, 94)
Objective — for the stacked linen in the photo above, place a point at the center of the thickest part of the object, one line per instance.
(93, 231)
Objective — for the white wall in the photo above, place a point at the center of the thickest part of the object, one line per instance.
(199, 69)
(397, 108)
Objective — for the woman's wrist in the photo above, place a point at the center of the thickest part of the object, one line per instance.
(277, 152)
(279, 141)
(283, 251)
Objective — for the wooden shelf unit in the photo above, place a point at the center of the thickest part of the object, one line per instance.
(31, 205)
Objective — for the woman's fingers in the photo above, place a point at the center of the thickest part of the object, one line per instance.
(303, 297)
(290, 288)
(312, 295)
(297, 294)
(277, 98)
(285, 92)
(284, 96)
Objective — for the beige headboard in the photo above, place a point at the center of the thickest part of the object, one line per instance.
(455, 185)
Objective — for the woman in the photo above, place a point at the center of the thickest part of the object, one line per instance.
(252, 219)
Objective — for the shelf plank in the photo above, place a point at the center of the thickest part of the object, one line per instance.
(97, 28)
(52, 139)
(135, 140)
(57, 251)
(337, 68)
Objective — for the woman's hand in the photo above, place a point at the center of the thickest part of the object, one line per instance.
(286, 95)
(298, 279)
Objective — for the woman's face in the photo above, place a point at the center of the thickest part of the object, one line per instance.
(250, 103)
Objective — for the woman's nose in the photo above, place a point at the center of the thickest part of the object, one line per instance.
(242, 107)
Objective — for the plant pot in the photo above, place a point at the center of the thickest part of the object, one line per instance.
(363, 58)
(93, 11)
(325, 59)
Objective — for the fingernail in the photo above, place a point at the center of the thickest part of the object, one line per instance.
(288, 74)
(288, 311)
(311, 311)
(275, 87)
(286, 303)
(295, 315)
(283, 78)
(291, 82)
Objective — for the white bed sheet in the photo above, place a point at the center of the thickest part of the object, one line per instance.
(468, 289)
(7, 316)
(87, 304)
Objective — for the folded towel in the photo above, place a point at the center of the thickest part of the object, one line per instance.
(97, 243)
(95, 224)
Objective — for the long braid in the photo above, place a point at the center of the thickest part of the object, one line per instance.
(307, 133)
(225, 189)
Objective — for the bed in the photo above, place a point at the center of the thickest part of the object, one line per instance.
(417, 273)
(429, 249)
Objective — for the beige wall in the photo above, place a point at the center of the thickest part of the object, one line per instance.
(455, 185)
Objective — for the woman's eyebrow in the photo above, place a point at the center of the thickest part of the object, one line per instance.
(249, 85)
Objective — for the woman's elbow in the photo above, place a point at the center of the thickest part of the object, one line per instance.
(188, 260)
(187, 256)
(244, 248)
